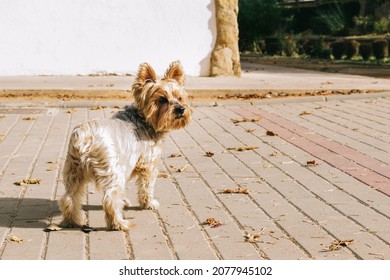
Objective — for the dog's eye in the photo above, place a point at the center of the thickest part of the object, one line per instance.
(180, 99)
(163, 100)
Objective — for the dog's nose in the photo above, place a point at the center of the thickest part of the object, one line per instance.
(179, 110)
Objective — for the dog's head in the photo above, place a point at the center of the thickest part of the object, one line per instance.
(162, 101)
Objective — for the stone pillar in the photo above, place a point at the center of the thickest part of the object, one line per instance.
(225, 58)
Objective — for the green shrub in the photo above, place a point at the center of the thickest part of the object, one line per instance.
(330, 20)
(363, 25)
(382, 25)
(380, 49)
(338, 49)
(365, 50)
(257, 19)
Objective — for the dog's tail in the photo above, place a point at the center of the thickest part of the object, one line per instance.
(80, 143)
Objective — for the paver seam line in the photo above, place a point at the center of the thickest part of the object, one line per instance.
(301, 247)
(374, 184)
(336, 209)
(323, 142)
(189, 209)
(331, 206)
(187, 205)
(349, 122)
(319, 125)
(235, 220)
(129, 246)
(4, 136)
(55, 186)
(167, 238)
(324, 178)
(371, 105)
(296, 207)
(352, 112)
(71, 124)
(367, 113)
(12, 155)
(24, 189)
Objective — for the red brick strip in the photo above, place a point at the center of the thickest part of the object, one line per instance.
(360, 166)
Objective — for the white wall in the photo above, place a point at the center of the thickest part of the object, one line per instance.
(71, 37)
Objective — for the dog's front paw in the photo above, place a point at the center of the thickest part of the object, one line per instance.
(152, 204)
(127, 202)
(122, 225)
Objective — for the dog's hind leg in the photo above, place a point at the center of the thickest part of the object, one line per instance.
(113, 185)
(75, 188)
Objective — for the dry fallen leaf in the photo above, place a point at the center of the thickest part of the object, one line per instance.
(238, 190)
(98, 107)
(245, 148)
(71, 111)
(311, 163)
(274, 154)
(213, 222)
(53, 227)
(338, 244)
(209, 154)
(255, 119)
(15, 239)
(174, 155)
(252, 238)
(25, 182)
(305, 113)
(271, 133)
(162, 175)
(181, 169)
(29, 118)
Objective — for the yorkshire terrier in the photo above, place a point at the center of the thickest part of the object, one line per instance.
(109, 152)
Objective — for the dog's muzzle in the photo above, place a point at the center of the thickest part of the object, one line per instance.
(179, 111)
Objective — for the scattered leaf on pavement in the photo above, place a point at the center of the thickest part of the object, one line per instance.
(53, 227)
(304, 113)
(245, 148)
(29, 118)
(255, 119)
(338, 244)
(209, 154)
(174, 155)
(238, 190)
(213, 222)
(71, 111)
(98, 107)
(15, 239)
(271, 133)
(181, 169)
(162, 175)
(26, 182)
(252, 238)
(311, 163)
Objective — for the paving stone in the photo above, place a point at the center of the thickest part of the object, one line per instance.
(298, 210)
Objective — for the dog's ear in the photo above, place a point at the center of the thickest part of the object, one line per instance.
(175, 72)
(145, 74)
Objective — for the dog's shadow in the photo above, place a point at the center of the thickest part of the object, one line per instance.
(36, 212)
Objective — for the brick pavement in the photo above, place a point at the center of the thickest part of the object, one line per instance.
(298, 209)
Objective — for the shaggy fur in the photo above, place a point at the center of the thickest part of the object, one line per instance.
(111, 151)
